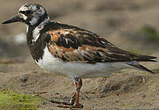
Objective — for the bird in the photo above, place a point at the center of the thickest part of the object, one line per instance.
(72, 51)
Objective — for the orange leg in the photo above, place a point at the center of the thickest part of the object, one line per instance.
(75, 99)
(74, 102)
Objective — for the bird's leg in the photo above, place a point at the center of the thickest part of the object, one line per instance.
(75, 98)
(74, 102)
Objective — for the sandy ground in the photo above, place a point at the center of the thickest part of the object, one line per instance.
(117, 21)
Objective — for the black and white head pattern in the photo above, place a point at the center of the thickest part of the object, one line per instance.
(32, 14)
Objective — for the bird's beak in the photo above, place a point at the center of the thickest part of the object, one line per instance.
(13, 19)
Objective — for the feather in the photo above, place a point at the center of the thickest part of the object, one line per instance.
(139, 66)
(72, 44)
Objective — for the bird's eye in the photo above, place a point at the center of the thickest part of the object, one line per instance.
(26, 12)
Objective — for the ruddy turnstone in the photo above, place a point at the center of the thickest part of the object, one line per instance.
(72, 51)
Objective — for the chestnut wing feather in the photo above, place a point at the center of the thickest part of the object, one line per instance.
(73, 44)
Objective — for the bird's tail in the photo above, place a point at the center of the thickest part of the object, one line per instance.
(139, 66)
(146, 58)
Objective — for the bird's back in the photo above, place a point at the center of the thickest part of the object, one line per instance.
(71, 43)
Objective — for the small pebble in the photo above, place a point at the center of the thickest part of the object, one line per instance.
(24, 78)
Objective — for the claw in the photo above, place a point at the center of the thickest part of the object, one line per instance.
(70, 106)
(66, 104)
(74, 102)
(60, 103)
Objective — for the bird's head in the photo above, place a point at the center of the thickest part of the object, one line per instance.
(31, 14)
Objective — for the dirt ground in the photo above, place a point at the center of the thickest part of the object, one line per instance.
(119, 21)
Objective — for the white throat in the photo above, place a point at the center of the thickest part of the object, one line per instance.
(36, 31)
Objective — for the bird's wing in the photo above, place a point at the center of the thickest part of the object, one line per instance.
(72, 44)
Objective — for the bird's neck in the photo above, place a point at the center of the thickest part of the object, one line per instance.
(33, 32)
(34, 40)
(43, 22)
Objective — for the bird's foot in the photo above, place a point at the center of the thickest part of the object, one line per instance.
(66, 104)
(71, 106)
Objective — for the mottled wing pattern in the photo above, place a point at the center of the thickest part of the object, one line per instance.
(73, 44)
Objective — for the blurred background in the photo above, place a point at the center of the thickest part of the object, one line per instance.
(122, 22)
(129, 24)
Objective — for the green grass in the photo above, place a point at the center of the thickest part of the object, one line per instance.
(10, 100)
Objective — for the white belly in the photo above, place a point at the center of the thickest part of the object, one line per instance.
(72, 69)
